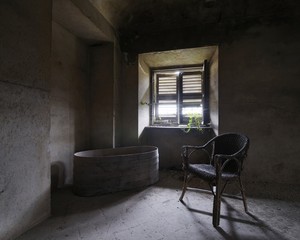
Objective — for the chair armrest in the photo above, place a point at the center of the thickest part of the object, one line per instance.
(237, 154)
(221, 160)
(187, 151)
(218, 156)
(191, 147)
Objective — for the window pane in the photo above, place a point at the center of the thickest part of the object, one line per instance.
(167, 110)
(192, 110)
(192, 94)
(176, 91)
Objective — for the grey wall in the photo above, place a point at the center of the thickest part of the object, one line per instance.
(103, 99)
(169, 141)
(259, 95)
(117, 95)
(69, 100)
(143, 96)
(25, 51)
(129, 104)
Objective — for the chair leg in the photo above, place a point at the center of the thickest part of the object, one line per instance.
(185, 183)
(243, 194)
(217, 205)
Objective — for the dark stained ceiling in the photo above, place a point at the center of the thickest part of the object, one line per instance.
(157, 25)
(144, 16)
(139, 19)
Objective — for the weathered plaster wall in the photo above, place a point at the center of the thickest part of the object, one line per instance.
(102, 96)
(259, 95)
(129, 104)
(106, 103)
(117, 95)
(169, 141)
(69, 100)
(213, 91)
(25, 51)
(143, 96)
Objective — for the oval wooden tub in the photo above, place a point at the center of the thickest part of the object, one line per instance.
(116, 169)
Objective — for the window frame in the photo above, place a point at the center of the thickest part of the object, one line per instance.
(184, 70)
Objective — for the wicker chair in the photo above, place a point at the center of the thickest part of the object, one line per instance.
(227, 153)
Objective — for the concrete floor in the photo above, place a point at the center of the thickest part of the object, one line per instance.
(156, 213)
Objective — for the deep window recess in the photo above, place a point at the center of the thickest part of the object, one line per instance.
(177, 94)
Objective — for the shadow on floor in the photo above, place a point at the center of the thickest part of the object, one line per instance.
(234, 217)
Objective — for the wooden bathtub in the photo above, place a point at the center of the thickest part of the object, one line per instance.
(110, 170)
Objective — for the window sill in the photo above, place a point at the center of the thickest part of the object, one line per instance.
(176, 127)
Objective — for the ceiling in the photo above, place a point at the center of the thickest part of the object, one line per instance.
(71, 17)
(147, 25)
(138, 17)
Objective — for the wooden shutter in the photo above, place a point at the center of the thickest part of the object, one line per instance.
(166, 99)
(206, 117)
(191, 90)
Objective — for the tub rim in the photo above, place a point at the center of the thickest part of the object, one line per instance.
(151, 149)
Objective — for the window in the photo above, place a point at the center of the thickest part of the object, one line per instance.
(177, 94)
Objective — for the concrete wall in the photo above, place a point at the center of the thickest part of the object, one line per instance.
(143, 96)
(25, 51)
(259, 95)
(169, 141)
(117, 95)
(69, 101)
(102, 96)
(129, 104)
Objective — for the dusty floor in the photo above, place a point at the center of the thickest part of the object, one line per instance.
(156, 213)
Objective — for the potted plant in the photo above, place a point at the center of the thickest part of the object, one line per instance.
(195, 121)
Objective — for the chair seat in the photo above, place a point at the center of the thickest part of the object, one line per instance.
(208, 172)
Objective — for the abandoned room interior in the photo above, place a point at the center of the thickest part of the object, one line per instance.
(78, 75)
